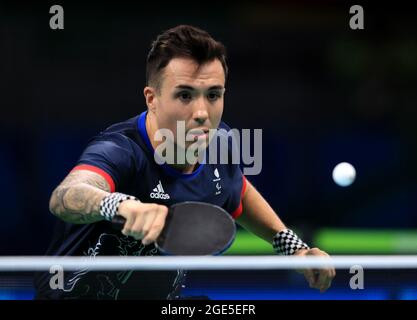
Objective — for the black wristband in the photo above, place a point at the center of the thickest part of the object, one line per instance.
(109, 206)
(286, 242)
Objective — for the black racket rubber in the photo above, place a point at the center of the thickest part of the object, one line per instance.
(193, 228)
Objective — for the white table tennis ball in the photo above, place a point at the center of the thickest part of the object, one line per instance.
(344, 174)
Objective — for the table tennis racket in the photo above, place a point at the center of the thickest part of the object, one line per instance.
(193, 228)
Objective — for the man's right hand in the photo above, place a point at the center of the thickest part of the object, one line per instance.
(143, 220)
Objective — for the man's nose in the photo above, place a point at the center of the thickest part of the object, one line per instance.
(200, 113)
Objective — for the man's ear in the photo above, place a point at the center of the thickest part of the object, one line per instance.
(150, 97)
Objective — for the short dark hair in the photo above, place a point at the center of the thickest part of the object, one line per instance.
(182, 41)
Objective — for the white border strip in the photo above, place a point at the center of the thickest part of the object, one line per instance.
(43, 263)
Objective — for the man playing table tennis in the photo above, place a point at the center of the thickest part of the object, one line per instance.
(117, 175)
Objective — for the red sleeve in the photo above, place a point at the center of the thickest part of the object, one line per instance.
(101, 172)
(238, 211)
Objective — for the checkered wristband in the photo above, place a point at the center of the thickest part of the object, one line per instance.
(286, 242)
(109, 206)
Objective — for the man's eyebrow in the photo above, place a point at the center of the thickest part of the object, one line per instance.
(183, 86)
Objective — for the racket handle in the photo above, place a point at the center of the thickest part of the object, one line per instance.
(118, 222)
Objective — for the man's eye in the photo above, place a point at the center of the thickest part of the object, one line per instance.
(213, 96)
(185, 96)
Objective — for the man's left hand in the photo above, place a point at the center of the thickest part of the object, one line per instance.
(317, 278)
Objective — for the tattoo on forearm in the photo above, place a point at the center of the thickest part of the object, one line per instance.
(77, 198)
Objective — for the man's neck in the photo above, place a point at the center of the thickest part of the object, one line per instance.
(151, 128)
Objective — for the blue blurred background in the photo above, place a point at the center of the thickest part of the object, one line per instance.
(321, 92)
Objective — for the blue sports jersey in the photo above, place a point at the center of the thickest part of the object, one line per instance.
(124, 156)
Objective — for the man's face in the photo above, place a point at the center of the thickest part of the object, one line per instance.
(191, 93)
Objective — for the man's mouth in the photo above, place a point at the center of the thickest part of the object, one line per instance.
(196, 134)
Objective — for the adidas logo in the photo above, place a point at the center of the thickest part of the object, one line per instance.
(159, 193)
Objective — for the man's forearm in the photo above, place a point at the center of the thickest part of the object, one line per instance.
(77, 199)
(258, 216)
(77, 204)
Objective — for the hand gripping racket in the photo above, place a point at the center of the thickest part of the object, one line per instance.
(193, 228)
